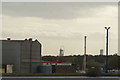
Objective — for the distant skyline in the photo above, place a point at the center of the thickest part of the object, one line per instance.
(62, 24)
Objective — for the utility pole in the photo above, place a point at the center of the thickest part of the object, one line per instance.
(30, 40)
(107, 28)
(84, 61)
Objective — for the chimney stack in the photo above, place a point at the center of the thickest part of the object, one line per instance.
(25, 39)
(8, 39)
(30, 39)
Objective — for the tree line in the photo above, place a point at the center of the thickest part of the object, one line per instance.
(77, 60)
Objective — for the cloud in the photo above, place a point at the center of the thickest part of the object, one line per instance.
(54, 10)
(56, 24)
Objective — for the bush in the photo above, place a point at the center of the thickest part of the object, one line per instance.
(93, 68)
(93, 72)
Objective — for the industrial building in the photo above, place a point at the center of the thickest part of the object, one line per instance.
(56, 67)
(21, 56)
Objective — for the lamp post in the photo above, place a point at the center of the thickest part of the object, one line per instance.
(107, 28)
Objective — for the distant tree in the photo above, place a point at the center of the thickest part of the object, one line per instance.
(91, 60)
(49, 58)
(93, 68)
(113, 62)
(119, 62)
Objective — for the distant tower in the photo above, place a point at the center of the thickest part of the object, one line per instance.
(101, 51)
(61, 52)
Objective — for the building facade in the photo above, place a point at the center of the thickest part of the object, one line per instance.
(24, 55)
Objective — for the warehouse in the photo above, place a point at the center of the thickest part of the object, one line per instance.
(21, 56)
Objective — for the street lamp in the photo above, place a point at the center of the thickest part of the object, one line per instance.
(107, 28)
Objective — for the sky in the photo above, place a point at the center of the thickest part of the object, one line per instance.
(62, 25)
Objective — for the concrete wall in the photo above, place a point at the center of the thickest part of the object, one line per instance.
(11, 54)
(23, 54)
(36, 55)
(25, 57)
(30, 56)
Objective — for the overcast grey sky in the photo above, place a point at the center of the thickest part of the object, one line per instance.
(62, 24)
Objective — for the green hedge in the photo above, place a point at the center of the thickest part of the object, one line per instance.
(111, 74)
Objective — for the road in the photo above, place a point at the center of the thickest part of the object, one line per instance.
(60, 78)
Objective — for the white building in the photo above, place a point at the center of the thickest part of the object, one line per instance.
(61, 52)
(101, 51)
